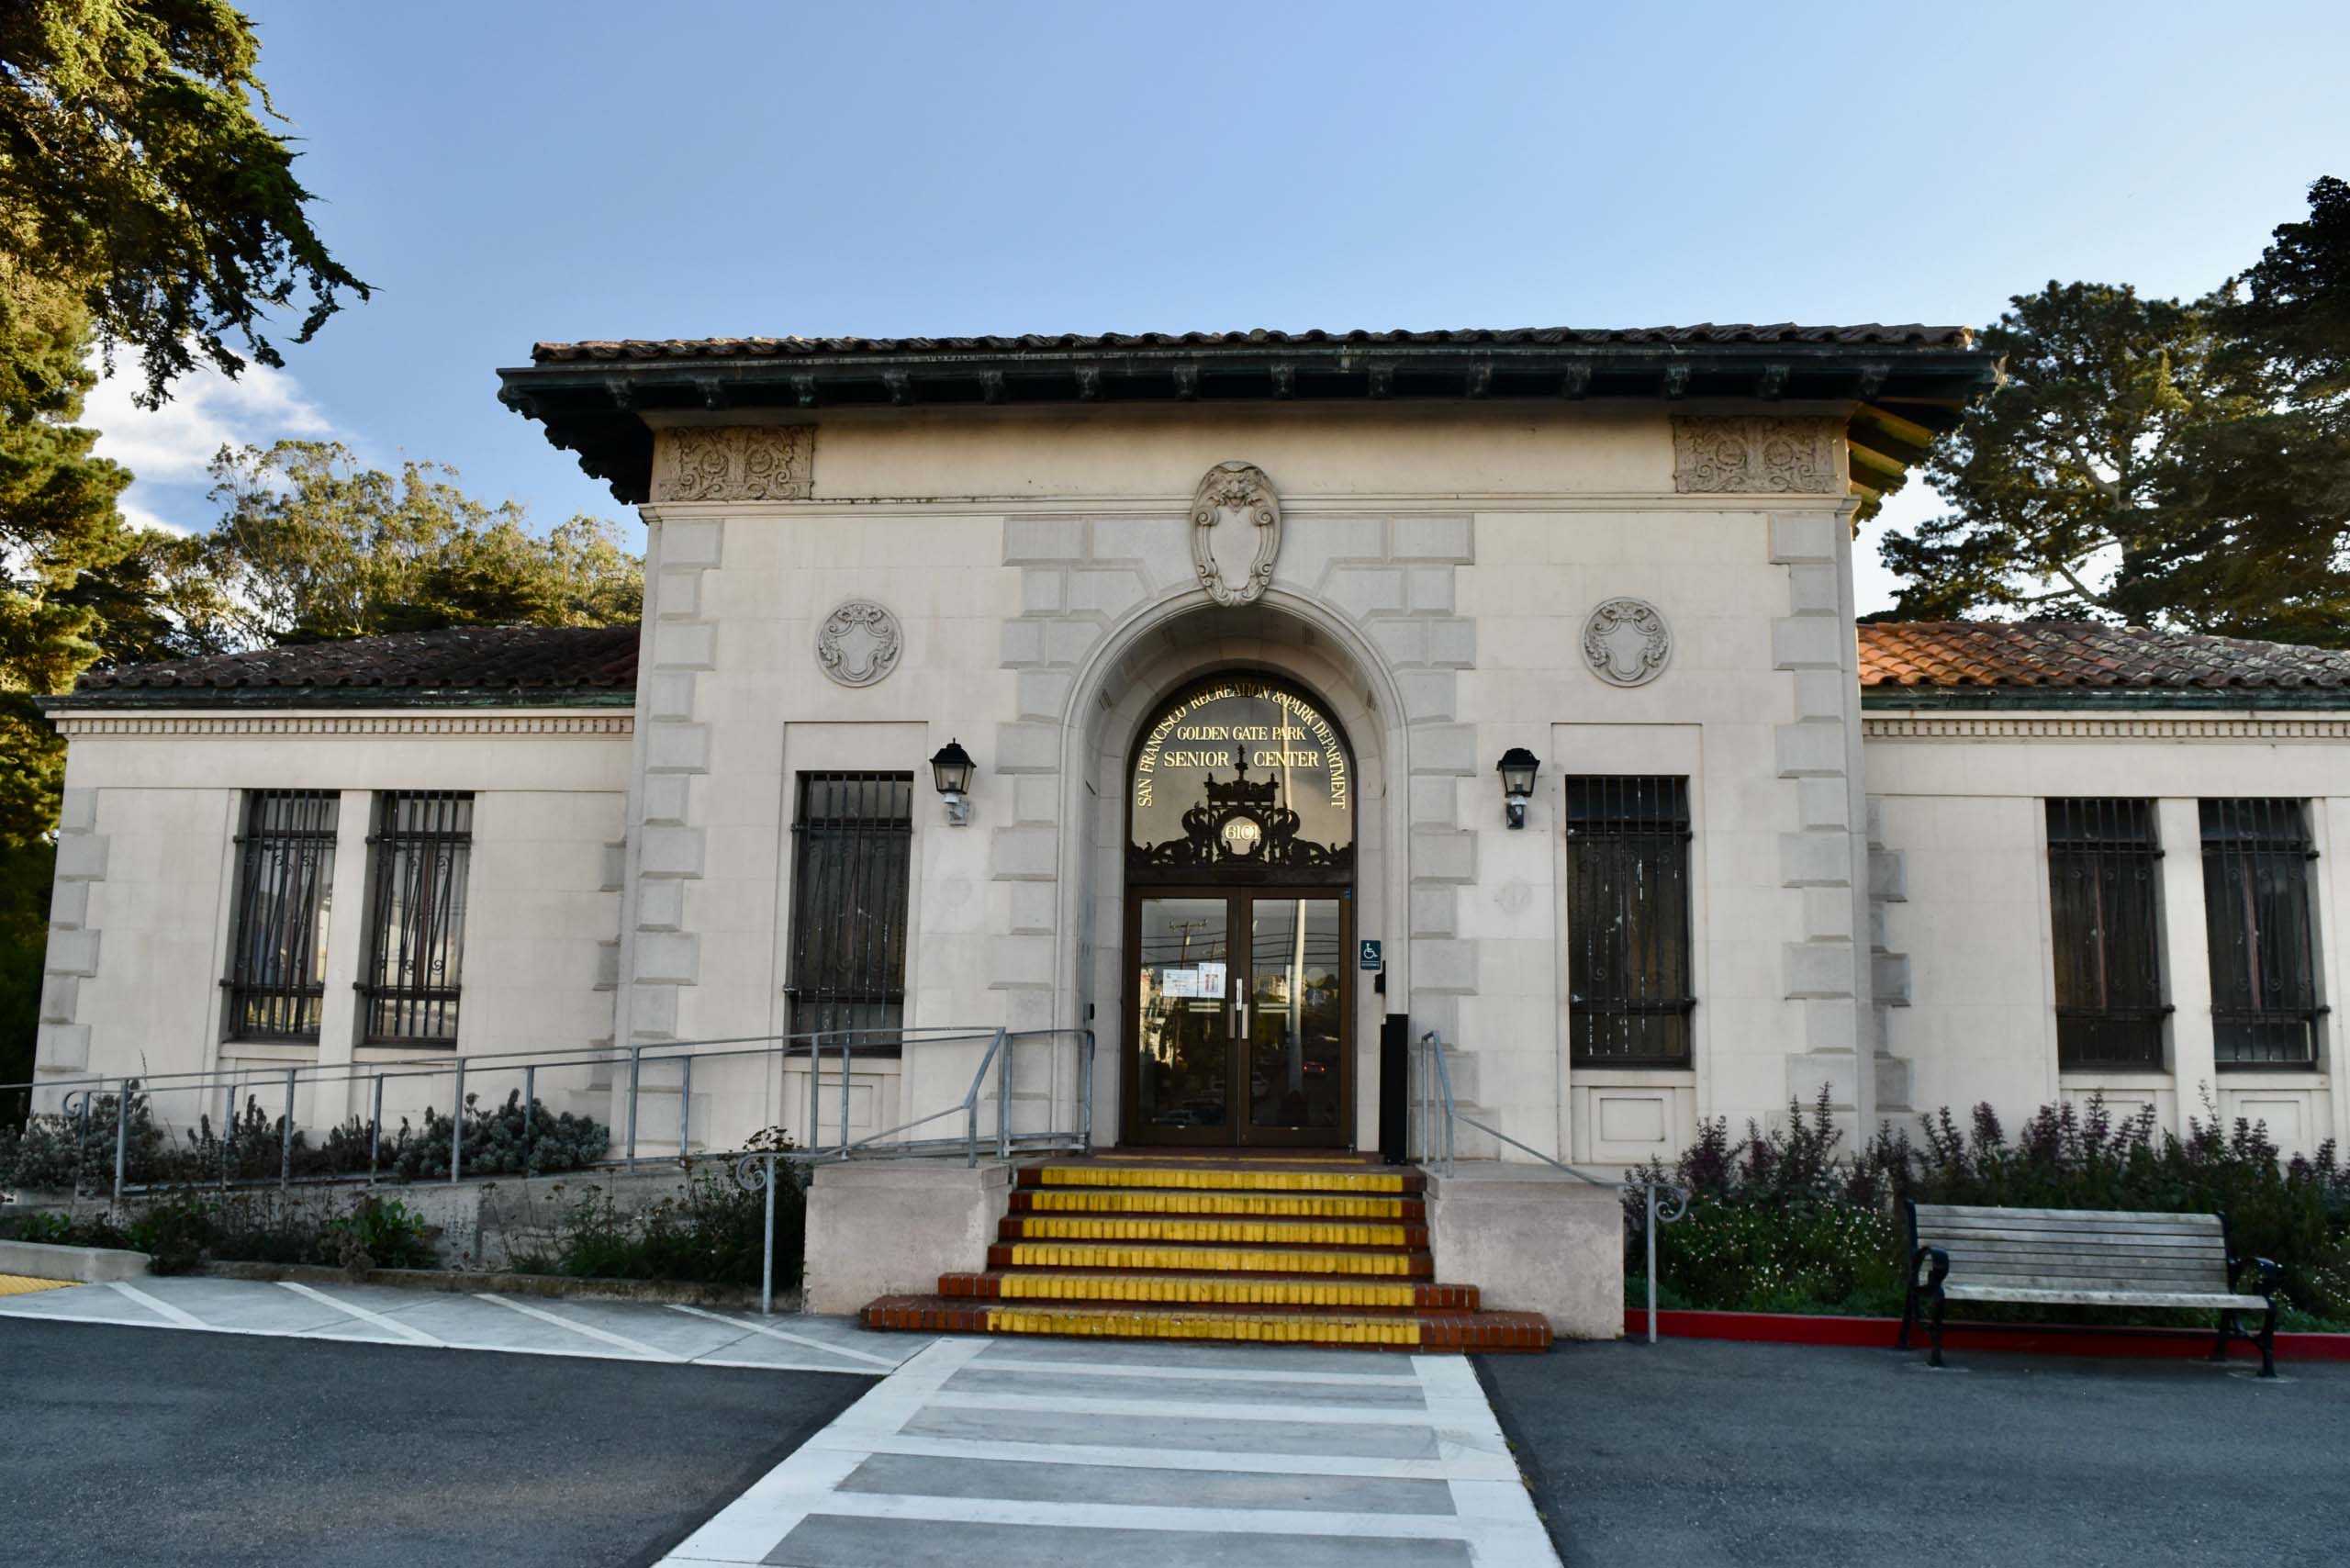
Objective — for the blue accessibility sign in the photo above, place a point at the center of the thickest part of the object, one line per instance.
(1371, 958)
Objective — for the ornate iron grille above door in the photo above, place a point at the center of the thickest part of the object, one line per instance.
(1239, 778)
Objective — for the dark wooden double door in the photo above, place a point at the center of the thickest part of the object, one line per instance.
(1239, 1015)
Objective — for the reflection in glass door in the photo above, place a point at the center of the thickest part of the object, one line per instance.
(1296, 968)
(1183, 1015)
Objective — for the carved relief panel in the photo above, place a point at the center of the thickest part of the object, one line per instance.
(1790, 456)
(735, 463)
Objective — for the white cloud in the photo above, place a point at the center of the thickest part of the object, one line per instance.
(138, 515)
(173, 444)
(168, 449)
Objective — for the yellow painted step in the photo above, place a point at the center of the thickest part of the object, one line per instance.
(1232, 1326)
(1253, 1232)
(1261, 1205)
(1223, 1177)
(1198, 1259)
(25, 1284)
(1207, 1292)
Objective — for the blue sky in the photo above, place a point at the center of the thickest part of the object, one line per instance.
(510, 171)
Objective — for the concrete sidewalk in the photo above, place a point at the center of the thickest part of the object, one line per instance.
(610, 1330)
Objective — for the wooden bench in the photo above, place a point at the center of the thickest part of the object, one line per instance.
(2083, 1257)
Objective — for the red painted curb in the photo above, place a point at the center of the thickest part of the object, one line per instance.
(2047, 1339)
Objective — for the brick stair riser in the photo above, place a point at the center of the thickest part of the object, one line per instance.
(1370, 1184)
(1163, 1203)
(1334, 1254)
(1143, 1257)
(1437, 1331)
(1348, 1296)
(1182, 1231)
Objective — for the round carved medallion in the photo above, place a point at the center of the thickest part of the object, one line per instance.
(1627, 642)
(859, 644)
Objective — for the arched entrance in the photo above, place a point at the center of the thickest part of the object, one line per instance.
(1238, 1006)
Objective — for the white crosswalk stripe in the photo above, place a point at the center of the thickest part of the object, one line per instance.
(1113, 1454)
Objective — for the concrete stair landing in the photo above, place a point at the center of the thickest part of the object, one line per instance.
(1330, 1251)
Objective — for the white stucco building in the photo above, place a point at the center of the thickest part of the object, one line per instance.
(1236, 631)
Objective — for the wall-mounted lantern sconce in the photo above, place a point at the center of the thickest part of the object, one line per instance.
(1518, 769)
(951, 771)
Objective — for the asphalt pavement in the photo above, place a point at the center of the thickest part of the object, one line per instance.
(137, 1447)
(1693, 1453)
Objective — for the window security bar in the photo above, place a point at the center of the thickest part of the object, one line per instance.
(275, 987)
(2260, 918)
(1628, 973)
(851, 889)
(419, 857)
(2105, 927)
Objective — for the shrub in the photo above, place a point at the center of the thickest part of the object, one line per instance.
(182, 1229)
(1777, 1221)
(709, 1232)
(53, 1152)
(378, 1233)
(495, 1142)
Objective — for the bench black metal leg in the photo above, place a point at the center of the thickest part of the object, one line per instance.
(2268, 1342)
(1934, 1334)
(2227, 1331)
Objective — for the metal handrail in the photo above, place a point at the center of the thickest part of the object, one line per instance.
(1436, 1089)
(83, 1095)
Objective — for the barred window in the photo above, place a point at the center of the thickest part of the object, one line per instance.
(2103, 916)
(1627, 921)
(2262, 928)
(420, 854)
(277, 950)
(851, 864)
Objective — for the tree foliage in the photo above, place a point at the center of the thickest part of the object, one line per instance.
(146, 202)
(57, 523)
(142, 174)
(2159, 462)
(312, 546)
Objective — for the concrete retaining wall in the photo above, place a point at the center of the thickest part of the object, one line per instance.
(85, 1265)
(889, 1228)
(1532, 1239)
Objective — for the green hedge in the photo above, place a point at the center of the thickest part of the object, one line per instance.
(1781, 1221)
(47, 1152)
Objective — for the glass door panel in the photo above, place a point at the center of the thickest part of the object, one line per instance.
(1296, 1012)
(1183, 1016)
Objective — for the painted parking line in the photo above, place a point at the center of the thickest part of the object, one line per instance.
(635, 1346)
(773, 1333)
(408, 1332)
(162, 1309)
(590, 1329)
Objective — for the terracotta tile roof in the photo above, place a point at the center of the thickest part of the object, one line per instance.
(466, 658)
(1943, 654)
(1870, 332)
(539, 663)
